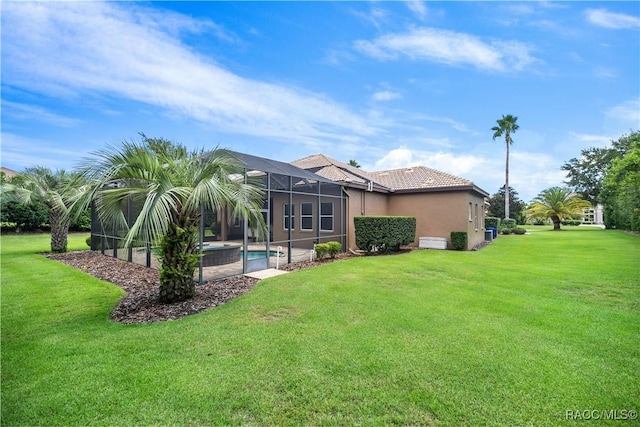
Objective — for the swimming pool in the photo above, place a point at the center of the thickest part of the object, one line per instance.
(257, 254)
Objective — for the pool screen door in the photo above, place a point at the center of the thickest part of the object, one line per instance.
(256, 254)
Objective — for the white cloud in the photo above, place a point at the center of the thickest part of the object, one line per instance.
(606, 19)
(529, 172)
(31, 113)
(112, 49)
(628, 113)
(385, 95)
(448, 47)
(403, 156)
(419, 8)
(21, 153)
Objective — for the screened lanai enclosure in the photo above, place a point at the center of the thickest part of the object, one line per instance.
(299, 210)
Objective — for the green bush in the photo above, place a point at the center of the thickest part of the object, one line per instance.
(571, 222)
(492, 221)
(505, 230)
(333, 248)
(509, 223)
(330, 248)
(519, 230)
(88, 240)
(82, 223)
(321, 250)
(459, 240)
(538, 221)
(384, 233)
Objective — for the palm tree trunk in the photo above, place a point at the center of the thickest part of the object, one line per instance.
(506, 180)
(556, 222)
(179, 260)
(59, 223)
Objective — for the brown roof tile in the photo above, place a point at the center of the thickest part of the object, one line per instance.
(418, 177)
(332, 169)
(404, 179)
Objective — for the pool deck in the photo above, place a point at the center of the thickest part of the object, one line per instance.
(235, 268)
(265, 274)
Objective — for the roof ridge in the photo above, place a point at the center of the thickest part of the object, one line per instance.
(422, 167)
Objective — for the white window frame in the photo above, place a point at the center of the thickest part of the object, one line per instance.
(477, 223)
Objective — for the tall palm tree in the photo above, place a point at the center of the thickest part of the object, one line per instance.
(557, 204)
(171, 185)
(54, 189)
(506, 126)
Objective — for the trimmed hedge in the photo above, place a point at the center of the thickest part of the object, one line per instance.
(492, 221)
(384, 233)
(519, 230)
(459, 240)
(509, 223)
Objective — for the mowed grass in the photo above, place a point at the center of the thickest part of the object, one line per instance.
(518, 333)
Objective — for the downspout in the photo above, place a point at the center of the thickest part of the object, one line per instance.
(200, 239)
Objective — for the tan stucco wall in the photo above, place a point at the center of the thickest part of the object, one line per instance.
(437, 214)
(361, 203)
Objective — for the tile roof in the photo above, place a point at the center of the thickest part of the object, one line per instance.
(418, 177)
(405, 179)
(333, 169)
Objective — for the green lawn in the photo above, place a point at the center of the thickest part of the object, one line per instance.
(518, 333)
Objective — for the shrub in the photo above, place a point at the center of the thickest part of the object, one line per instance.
(330, 248)
(538, 221)
(321, 250)
(492, 221)
(88, 240)
(333, 248)
(459, 240)
(509, 223)
(505, 230)
(571, 222)
(519, 230)
(384, 233)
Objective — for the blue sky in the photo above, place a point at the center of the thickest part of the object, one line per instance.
(389, 84)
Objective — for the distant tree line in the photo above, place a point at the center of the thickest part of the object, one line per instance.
(610, 176)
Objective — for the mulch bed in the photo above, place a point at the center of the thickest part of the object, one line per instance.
(141, 304)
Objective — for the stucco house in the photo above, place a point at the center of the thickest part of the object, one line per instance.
(313, 200)
(441, 202)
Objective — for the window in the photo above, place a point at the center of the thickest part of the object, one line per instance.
(477, 218)
(306, 216)
(470, 211)
(326, 216)
(285, 222)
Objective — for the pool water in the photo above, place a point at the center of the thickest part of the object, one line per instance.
(260, 254)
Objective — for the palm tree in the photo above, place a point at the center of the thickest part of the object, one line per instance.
(54, 189)
(557, 204)
(354, 163)
(171, 185)
(506, 126)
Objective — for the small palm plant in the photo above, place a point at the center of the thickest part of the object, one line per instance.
(54, 189)
(557, 203)
(172, 186)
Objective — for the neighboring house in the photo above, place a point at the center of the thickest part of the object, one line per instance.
(441, 202)
(594, 216)
(8, 173)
